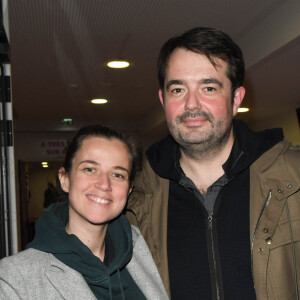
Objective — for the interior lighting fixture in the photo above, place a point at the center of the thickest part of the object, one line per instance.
(118, 64)
(243, 109)
(45, 164)
(99, 101)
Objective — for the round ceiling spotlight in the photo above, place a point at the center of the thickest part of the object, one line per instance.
(99, 101)
(118, 64)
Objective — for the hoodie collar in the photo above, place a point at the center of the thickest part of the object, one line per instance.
(51, 237)
(164, 155)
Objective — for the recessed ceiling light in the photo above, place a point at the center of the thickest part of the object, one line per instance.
(44, 163)
(118, 64)
(243, 109)
(99, 101)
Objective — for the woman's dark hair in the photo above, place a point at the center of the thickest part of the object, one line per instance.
(210, 42)
(103, 132)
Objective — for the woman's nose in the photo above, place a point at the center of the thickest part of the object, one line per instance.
(103, 182)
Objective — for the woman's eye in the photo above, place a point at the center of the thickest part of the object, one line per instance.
(118, 176)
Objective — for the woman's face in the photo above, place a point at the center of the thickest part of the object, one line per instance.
(98, 183)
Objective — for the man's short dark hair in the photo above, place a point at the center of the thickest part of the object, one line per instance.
(212, 43)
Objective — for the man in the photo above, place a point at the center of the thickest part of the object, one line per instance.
(218, 204)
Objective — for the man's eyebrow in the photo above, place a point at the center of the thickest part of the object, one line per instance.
(211, 80)
(202, 81)
(173, 82)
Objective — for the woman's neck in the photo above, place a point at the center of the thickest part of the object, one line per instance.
(93, 236)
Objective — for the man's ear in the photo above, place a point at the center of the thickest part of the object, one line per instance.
(238, 98)
(161, 97)
(64, 180)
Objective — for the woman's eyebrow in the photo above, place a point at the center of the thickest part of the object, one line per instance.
(121, 168)
(98, 164)
(89, 162)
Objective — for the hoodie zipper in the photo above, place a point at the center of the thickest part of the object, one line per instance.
(213, 253)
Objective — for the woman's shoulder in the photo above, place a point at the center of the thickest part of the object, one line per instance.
(143, 269)
(135, 233)
(26, 254)
(28, 259)
(140, 248)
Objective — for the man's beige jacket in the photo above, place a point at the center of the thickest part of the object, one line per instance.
(274, 220)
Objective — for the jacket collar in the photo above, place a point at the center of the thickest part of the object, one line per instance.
(67, 281)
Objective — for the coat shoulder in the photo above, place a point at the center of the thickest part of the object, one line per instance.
(25, 261)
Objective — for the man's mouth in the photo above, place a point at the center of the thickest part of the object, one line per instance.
(194, 118)
(194, 121)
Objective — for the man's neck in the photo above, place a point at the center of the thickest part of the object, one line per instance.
(205, 168)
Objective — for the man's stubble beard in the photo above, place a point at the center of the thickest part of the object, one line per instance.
(206, 144)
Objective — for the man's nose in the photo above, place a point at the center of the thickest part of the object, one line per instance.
(193, 100)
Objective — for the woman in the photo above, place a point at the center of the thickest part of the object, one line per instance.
(85, 248)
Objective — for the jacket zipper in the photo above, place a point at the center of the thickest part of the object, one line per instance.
(257, 224)
(210, 230)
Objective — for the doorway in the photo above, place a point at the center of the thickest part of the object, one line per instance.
(33, 182)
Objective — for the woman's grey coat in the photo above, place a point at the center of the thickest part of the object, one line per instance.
(35, 275)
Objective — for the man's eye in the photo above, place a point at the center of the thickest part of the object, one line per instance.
(89, 170)
(209, 89)
(177, 91)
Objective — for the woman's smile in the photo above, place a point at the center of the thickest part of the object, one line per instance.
(99, 199)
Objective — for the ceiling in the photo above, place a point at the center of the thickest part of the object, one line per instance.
(59, 50)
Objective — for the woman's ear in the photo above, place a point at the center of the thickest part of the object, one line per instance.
(130, 188)
(64, 180)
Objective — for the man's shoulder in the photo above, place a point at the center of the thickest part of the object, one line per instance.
(282, 154)
(286, 149)
(148, 187)
(293, 150)
(291, 158)
(147, 179)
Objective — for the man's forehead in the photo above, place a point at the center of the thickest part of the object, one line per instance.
(179, 53)
(179, 56)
